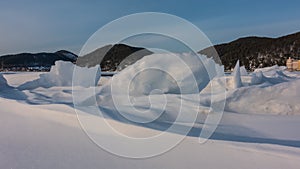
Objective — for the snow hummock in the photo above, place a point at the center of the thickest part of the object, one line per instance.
(61, 74)
(282, 98)
(168, 73)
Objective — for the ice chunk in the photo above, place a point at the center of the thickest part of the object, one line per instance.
(257, 78)
(61, 74)
(236, 79)
(243, 71)
(86, 77)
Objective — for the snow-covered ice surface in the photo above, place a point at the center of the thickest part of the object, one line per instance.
(259, 128)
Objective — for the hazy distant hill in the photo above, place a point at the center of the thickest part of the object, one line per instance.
(113, 57)
(35, 61)
(254, 52)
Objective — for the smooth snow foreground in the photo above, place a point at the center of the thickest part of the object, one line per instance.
(259, 128)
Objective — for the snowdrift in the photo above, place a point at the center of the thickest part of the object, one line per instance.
(282, 98)
(61, 74)
(168, 74)
(265, 91)
(262, 77)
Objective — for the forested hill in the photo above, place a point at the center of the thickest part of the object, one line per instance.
(255, 52)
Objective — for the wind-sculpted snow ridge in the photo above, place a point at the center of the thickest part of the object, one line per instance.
(61, 74)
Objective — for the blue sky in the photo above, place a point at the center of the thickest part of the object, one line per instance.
(36, 25)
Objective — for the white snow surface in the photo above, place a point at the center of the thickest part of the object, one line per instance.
(259, 128)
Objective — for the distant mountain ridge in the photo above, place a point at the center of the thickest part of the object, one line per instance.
(113, 57)
(110, 58)
(34, 61)
(257, 52)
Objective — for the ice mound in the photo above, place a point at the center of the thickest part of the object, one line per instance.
(61, 74)
(168, 74)
(263, 77)
(281, 98)
(267, 91)
(274, 93)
